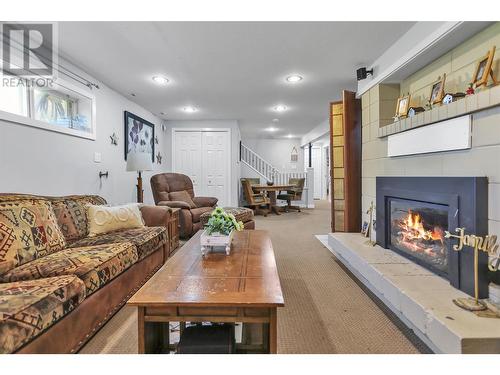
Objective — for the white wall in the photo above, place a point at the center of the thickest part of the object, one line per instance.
(277, 152)
(38, 161)
(210, 124)
(317, 132)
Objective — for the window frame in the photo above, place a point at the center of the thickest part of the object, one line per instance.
(29, 120)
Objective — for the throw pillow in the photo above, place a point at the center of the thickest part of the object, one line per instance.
(182, 196)
(104, 219)
(71, 214)
(28, 230)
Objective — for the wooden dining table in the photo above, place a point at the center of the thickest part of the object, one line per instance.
(271, 193)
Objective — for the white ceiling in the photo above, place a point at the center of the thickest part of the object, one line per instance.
(230, 70)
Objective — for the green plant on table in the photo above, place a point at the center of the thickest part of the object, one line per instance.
(222, 222)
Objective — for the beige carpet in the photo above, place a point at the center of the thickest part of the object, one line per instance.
(326, 311)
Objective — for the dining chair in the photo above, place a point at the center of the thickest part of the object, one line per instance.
(293, 194)
(255, 200)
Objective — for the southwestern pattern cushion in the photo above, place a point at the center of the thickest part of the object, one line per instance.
(240, 213)
(28, 230)
(146, 239)
(71, 214)
(27, 308)
(95, 265)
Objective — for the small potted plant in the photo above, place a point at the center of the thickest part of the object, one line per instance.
(219, 231)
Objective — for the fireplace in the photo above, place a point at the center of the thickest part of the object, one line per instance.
(417, 232)
(414, 212)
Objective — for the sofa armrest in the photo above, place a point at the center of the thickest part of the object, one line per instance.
(205, 201)
(174, 204)
(155, 216)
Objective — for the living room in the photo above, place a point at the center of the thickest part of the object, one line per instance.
(259, 186)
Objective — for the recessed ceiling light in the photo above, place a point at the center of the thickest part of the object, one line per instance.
(189, 109)
(271, 129)
(294, 78)
(161, 80)
(280, 108)
(289, 136)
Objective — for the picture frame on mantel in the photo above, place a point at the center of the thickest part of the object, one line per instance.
(437, 90)
(483, 70)
(403, 106)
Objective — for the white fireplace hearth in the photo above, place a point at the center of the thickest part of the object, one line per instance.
(420, 298)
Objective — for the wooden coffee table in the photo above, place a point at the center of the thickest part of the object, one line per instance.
(242, 287)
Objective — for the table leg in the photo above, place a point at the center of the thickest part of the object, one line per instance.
(152, 337)
(140, 333)
(272, 198)
(273, 331)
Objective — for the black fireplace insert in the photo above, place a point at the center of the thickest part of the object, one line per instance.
(413, 214)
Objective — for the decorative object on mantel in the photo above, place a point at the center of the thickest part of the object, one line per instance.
(437, 90)
(470, 89)
(158, 157)
(450, 98)
(487, 244)
(369, 229)
(294, 157)
(402, 107)
(483, 70)
(414, 110)
(114, 139)
(219, 231)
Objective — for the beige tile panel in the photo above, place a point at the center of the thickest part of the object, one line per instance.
(338, 204)
(480, 161)
(365, 116)
(374, 111)
(374, 94)
(365, 100)
(387, 109)
(429, 74)
(494, 203)
(486, 128)
(476, 47)
(365, 134)
(389, 92)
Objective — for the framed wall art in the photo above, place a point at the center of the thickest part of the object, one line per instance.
(139, 135)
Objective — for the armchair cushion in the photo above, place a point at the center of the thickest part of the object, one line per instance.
(205, 201)
(155, 216)
(182, 196)
(197, 212)
(174, 204)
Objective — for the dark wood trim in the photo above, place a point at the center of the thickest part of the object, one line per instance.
(352, 160)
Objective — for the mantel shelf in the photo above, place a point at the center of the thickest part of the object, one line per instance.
(470, 104)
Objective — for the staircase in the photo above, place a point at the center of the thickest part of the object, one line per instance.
(266, 169)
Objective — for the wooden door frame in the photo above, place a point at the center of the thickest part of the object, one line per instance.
(229, 148)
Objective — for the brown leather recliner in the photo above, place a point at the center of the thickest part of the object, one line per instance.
(176, 190)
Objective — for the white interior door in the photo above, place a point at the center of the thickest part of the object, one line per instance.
(318, 172)
(215, 171)
(187, 157)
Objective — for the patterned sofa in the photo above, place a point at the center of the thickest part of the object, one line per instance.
(57, 285)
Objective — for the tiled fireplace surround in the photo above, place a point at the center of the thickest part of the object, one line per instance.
(422, 299)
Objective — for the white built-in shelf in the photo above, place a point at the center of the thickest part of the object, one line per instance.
(470, 104)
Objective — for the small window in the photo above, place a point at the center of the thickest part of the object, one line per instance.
(13, 99)
(61, 107)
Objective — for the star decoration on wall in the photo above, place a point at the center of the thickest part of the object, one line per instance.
(156, 140)
(114, 139)
(158, 157)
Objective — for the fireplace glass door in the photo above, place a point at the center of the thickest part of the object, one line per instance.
(417, 232)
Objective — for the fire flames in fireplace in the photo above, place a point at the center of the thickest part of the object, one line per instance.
(417, 236)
